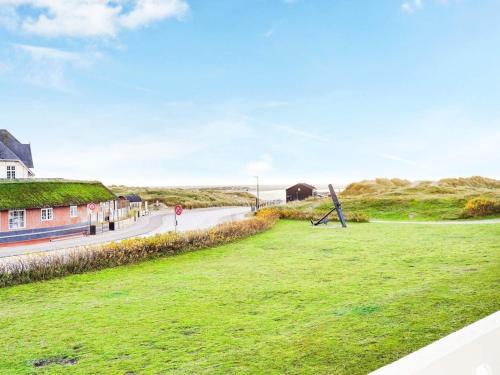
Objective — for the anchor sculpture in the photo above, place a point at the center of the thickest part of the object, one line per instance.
(336, 207)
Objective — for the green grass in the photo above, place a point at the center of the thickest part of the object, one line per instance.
(189, 198)
(403, 200)
(295, 300)
(19, 194)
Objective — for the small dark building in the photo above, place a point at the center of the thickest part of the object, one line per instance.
(134, 200)
(300, 192)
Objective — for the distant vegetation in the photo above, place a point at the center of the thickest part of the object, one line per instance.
(396, 199)
(189, 198)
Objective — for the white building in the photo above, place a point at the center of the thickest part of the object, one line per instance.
(15, 158)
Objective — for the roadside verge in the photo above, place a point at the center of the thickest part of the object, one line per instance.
(50, 266)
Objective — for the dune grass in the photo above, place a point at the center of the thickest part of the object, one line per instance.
(189, 198)
(293, 300)
(396, 199)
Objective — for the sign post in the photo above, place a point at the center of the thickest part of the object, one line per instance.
(91, 208)
(177, 212)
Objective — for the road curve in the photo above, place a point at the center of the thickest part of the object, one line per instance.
(157, 223)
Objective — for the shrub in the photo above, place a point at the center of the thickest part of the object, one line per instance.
(297, 214)
(477, 207)
(357, 218)
(129, 251)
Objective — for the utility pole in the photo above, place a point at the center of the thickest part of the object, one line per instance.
(258, 193)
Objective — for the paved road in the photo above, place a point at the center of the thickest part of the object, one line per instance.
(157, 223)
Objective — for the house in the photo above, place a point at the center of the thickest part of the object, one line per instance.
(135, 201)
(35, 209)
(299, 192)
(15, 158)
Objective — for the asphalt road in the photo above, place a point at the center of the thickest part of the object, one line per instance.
(157, 223)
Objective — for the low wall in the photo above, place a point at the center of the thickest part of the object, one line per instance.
(42, 233)
(125, 223)
(473, 350)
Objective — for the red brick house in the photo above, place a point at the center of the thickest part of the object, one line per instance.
(42, 209)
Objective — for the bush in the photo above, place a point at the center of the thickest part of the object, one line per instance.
(129, 251)
(296, 214)
(357, 218)
(477, 207)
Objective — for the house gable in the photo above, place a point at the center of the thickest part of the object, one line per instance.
(12, 149)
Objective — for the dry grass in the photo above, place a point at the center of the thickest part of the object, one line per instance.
(396, 199)
(479, 207)
(295, 213)
(129, 251)
(449, 186)
(189, 198)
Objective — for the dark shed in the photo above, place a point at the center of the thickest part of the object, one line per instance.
(300, 192)
(133, 198)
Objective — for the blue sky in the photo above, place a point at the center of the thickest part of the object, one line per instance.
(192, 92)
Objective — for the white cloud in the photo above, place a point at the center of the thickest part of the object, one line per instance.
(123, 152)
(301, 133)
(148, 11)
(85, 18)
(38, 52)
(46, 67)
(8, 17)
(412, 6)
(257, 167)
(412, 163)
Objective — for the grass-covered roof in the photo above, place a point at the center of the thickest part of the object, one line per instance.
(21, 194)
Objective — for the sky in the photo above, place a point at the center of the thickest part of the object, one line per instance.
(197, 92)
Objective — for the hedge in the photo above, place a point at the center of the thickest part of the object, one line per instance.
(38, 268)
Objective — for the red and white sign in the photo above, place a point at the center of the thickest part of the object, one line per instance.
(91, 206)
(178, 210)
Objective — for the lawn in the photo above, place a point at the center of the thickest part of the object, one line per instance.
(295, 300)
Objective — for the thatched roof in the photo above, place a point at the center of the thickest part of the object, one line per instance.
(31, 193)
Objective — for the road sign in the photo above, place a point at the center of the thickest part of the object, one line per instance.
(91, 206)
(178, 210)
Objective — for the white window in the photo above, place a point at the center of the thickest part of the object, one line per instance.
(73, 211)
(17, 219)
(47, 214)
(11, 172)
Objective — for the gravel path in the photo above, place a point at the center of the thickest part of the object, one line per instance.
(444, 222)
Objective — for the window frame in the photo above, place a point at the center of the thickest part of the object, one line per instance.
(73, 214)
(10, 220)
(48, 217)
(11, 172)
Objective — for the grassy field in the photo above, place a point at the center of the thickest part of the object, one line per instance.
(404, 200)
(189, 198)
(295, 300)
